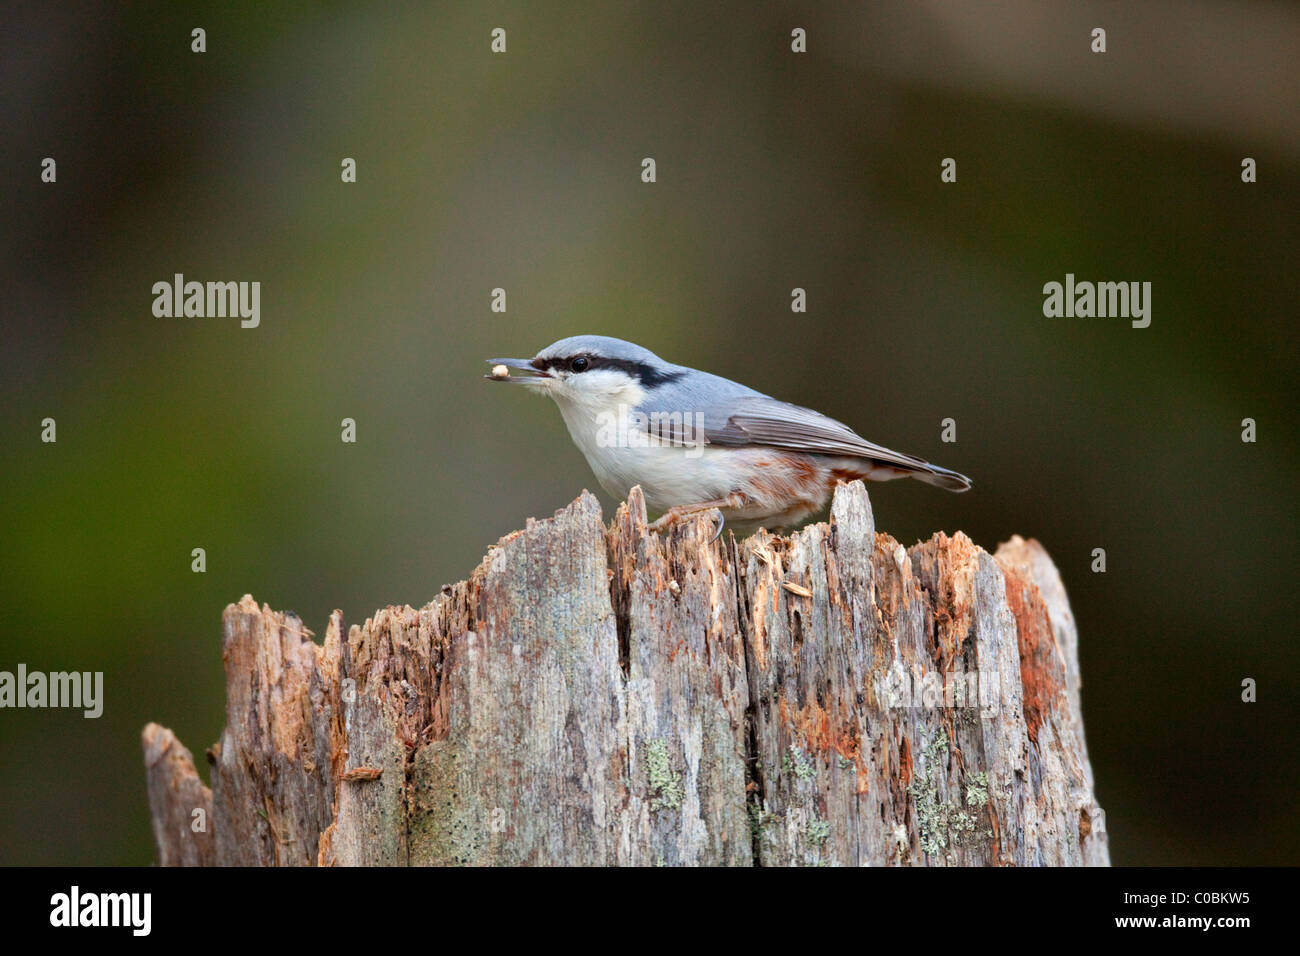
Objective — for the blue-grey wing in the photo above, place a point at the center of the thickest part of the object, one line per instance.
(730, 414)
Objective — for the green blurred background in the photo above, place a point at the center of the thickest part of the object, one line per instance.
(522, 171)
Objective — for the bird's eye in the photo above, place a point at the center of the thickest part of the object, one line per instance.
(580, 364)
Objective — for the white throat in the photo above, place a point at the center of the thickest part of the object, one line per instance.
(590, 413)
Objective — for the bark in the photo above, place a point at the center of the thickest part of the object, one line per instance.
(179, 803)
(596, 695)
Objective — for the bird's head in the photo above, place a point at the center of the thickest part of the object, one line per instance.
(591, 370)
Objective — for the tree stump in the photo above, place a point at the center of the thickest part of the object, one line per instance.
(607, 695)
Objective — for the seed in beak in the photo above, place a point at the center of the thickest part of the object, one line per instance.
(500, 371)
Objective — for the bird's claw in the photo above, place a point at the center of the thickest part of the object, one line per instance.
(722, 520)
(672, 517)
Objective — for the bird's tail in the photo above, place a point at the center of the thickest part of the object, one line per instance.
(942, 478)
(907, 467)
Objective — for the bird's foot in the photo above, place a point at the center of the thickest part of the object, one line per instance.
(666, 520)
(677, 513)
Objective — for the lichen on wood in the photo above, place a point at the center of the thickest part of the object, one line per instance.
(610, 695)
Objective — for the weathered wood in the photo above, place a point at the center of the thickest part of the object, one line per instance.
(273, 774)
(179, 804)
(595, 695)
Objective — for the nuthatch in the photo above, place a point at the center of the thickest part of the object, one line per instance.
(699, 442)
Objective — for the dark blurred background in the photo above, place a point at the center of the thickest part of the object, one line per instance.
(522, 171)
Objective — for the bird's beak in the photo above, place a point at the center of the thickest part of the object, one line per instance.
(532, 373)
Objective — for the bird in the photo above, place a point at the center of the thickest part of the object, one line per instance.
(697, 442)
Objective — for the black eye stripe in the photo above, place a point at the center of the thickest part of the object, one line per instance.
(647, 375)
(570, 363)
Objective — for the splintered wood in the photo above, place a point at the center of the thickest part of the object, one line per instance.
(596, 696)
